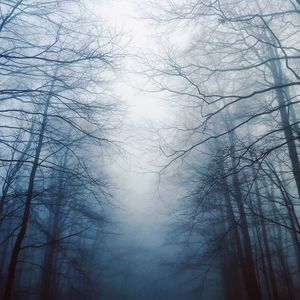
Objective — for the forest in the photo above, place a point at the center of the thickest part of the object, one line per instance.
(149, 150)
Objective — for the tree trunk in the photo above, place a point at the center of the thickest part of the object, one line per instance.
(26, 214)
(287, 128)
(48, 288)
(267, 252)
(293, 220)
(252, 282)
(232, 227)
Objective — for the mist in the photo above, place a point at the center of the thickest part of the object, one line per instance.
(149, 150)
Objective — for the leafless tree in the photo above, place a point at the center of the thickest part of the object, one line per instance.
(56, 61)
(236, 83)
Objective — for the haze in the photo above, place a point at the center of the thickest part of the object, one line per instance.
(149, 150)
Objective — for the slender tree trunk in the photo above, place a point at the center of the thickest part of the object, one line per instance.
(286, 273)
(229, 266)
(253, 286)
(287, 128)
(293, 220)
(288, 132)
(263, 261)
(26, 214)
(232, 226)
(267, 252)
(48, 288)
(285, 267)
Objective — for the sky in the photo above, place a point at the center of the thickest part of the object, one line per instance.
(139, 37)
(143, 212)
(135, 170)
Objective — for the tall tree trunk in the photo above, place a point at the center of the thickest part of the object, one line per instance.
(293, 220)
(48, 288)
(253, 287)
(26, 214)
(286, 273)
(263, 261)
(287, 128)
(229, 266)
(267, 252)
(232, 227)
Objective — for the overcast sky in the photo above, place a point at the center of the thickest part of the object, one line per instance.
(134, 172)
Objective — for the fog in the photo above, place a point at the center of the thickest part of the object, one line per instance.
(149, 150)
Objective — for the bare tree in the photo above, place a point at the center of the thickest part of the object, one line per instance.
(60, 60)
(236, 83)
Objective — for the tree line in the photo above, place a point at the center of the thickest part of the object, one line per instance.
(232, 68)
(56, 110)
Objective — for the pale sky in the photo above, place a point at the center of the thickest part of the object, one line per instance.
(144, 211)
(139, 36)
